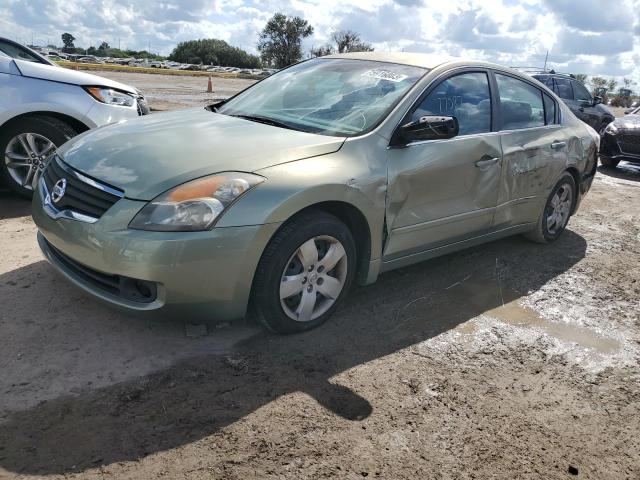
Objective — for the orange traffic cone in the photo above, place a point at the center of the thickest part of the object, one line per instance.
(209, 86)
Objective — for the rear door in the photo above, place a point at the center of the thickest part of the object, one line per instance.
(534, 149)
(443, 191)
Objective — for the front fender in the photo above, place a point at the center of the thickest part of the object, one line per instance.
(348, 176)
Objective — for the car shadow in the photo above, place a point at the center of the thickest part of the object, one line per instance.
(624, 171)
(13, 206)
(196, 398)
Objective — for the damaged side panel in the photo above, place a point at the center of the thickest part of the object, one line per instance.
(533, 160)
(441, 191)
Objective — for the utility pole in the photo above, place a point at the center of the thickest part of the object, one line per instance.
(545, 61)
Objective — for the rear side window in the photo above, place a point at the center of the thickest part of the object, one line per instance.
(520, 104)
(580, 92)
(466, 97)
(549, 110)
(563, 88)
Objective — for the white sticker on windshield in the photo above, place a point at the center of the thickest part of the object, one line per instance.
(384, 75)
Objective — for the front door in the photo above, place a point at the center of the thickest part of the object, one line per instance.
(443, 191)
(588, 113)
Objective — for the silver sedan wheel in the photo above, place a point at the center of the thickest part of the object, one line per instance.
(559, 209)
(313, 278)
(25, 158)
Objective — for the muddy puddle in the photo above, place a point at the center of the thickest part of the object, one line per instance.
(501, 304)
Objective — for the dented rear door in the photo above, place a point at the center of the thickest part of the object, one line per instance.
(534, 149)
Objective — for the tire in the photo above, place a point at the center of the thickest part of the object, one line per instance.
(281, 312)
(22, 179)
(609, 163)
(544, 232)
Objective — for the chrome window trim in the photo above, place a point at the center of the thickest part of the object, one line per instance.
(472, 135)
(56, 214)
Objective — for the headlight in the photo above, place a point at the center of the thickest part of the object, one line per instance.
(611, 128)
(194, 205)
(111, 96)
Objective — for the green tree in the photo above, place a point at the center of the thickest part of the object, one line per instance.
(280, 42)
(104, 46)
(581, 77)
(349, 41)
(67, 40)
(612, 84)
(211, 51)
(322, 51)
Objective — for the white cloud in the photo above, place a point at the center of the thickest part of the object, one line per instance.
(590, 36)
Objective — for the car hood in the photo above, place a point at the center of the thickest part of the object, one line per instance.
(147, 156)
(628, 122)
(64, 75)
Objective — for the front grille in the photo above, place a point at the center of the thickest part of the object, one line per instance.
(82, 194)
(629, 144)
(130, 289)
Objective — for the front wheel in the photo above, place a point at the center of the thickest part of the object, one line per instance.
(25, 147)
(556, 213)
(305, 272)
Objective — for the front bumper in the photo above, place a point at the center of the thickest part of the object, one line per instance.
(610, 148)
(196, 275)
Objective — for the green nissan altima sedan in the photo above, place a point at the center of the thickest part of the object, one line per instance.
(327, 173)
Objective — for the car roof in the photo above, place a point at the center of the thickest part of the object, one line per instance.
(423, 60)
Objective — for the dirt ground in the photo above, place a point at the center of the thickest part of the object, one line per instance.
(170, 92)
(508, 360)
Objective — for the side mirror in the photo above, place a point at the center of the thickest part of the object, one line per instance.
(214, 106)
(628, 111)
(597, 100)
(430, 127)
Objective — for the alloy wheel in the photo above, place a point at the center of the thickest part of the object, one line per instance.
(559, 209)
(25, 157)
(313, 278)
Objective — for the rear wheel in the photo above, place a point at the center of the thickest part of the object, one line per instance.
(556, 213)
(607, 162)
(25, 147)
(305, 272)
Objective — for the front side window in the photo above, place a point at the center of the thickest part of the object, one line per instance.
(549, 110)
(563, 88)
(520, 104)
(339, 97)
(466, 97)
(581, 93)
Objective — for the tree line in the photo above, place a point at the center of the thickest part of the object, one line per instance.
(104, 50)
(279, 45)
(605, 88)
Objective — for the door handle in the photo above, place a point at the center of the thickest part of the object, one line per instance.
(558, 145)
(486, 162)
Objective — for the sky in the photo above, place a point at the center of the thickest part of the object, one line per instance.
(595, 37)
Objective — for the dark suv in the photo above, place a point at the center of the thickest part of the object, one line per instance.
(587, 108)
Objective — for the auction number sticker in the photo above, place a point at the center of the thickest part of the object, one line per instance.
(384, 75)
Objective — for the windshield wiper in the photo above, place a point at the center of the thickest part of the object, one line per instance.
(265, 120)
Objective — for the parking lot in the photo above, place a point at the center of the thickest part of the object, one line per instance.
(507, 360)
(169, 92)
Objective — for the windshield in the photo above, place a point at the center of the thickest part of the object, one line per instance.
(341, 97)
